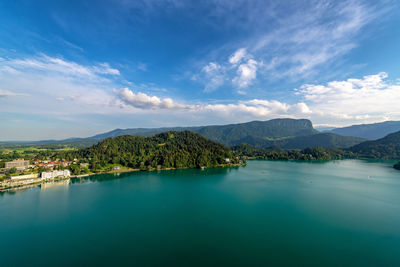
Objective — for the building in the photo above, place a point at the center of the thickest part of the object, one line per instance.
(84, 165)
(19, 164)
(55, 174)
(26, 176)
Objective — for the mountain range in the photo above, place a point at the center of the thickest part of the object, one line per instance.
(387, 147)
(286, 133)
(369, 131)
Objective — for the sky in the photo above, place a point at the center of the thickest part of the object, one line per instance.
(79, 68)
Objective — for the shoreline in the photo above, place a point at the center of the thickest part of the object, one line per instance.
(28, 183)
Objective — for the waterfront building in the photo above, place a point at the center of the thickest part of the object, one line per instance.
(19, 164)
(26, 176)
(56, 174)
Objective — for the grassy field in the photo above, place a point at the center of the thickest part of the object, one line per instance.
(28, 149)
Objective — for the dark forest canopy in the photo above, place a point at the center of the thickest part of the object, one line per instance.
(384, 148)
(166, 150)
(276, 153)
(397, 166)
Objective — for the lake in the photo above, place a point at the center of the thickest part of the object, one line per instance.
(332, 213)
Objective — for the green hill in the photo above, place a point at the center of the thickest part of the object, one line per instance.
(384, 148)
(277, 153)
(166, 150)
(325, 140)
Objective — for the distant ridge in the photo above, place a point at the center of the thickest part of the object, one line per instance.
(384, 148)
(226, 134)
(369, 131)
(287, 133)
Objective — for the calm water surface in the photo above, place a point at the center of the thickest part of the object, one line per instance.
(334, 213)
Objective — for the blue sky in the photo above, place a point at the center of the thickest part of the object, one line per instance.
(78, 68)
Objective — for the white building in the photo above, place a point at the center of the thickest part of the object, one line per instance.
(19, 164)
(26, 176)
(56, 174)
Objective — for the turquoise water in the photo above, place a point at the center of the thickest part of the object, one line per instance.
(270, 212)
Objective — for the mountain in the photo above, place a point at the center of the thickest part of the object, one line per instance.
(369, 131)
(276, 153)
(231, 134)
(286, 133)
(226, 134)
(166, 150)
(325, 140)
(384, 148)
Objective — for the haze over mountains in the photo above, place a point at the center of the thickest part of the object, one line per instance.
(369, 131)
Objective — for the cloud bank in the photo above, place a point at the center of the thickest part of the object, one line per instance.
(370, 99)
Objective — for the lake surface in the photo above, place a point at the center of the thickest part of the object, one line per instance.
(333, 213)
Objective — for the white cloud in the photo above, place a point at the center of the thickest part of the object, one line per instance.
(237, 56)
(144, 101)
(58, 65)
(63, 85)
(211, 67)
(247, 72)
(4, 93)
(104, 68)
(369, 99)
(252, 109)
(214, 75)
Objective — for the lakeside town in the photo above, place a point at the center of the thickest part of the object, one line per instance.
(22, 172)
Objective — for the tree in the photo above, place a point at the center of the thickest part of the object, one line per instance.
(12, 170)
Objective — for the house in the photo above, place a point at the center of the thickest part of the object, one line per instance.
(84, 165)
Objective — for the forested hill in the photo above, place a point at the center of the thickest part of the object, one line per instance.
(231, 134)
(384, 148)
(166, 150)
(369, 131)
(325, 140)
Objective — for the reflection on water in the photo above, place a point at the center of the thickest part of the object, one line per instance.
(16, 190)
(55, 184)
(193, 173)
